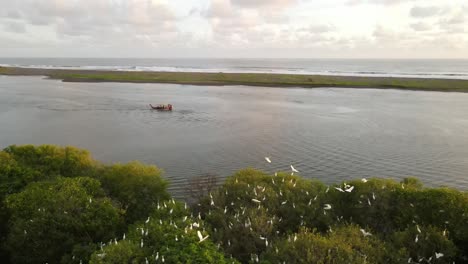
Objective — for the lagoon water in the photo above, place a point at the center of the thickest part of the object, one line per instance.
(332, 134)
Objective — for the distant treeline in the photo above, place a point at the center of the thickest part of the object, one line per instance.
(59, 205)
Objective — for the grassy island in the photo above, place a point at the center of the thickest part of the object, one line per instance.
(59, 205)
(251, 79)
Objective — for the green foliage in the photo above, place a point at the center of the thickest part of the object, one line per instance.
(52, 160)
(169, 235)
(423, 244)
(59, 205)
(252, 204)
(137, 187)
(49, 218)
(346, 244)
(252, 208)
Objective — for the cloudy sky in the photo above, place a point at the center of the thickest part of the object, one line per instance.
(234, 28)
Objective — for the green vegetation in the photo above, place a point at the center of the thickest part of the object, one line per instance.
(58, 205)
(252, 79)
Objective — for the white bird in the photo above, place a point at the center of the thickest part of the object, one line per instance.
(200, 236)
(416, 239)
(350, 189)
(147, 220)
(364, 180)
(327, 207)
(417, 227)
(339, 189)
(141, 243)
(365, 233)
(438, 255)
(268, 159)
(255, 201)
(373, 196)
(294, 169)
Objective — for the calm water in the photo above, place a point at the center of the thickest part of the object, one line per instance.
(420, 68)
(330, 134)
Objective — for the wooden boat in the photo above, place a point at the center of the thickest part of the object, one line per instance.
(162, 107)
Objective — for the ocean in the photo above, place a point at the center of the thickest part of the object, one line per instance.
(418, 68)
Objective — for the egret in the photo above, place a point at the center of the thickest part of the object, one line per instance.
(350, 189)
(294, 169)
(438, 255)
(268, 159)
(365, 233)
(327, 207)
(339, 189)
(200, 236)
(255, 201)
(364, 180)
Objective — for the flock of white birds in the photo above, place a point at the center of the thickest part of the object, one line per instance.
(192, 226)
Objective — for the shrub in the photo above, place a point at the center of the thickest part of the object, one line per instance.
(169, 234)
(49, 218)
(137, 187)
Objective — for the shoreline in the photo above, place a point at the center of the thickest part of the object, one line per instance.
(247, 79)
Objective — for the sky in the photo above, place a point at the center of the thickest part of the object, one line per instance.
(235, 28)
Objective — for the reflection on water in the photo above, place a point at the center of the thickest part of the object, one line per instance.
(330, 134)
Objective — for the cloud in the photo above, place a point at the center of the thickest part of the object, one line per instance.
(98, 18)
(14, 27)
(247, 27)
(376, 2)
(420, 26)
(424, 11)
(264, 3)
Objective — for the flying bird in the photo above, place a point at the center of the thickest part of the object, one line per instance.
(294, 169)
(268, 159)
(200, 236)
